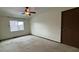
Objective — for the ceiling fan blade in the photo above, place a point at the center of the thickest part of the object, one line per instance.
(33, 12)
(29, 14)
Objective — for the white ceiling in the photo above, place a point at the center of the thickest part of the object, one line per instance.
(17, 11)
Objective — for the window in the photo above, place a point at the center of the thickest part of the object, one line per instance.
(16, 25)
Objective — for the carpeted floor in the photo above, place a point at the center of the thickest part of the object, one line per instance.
(34, 44)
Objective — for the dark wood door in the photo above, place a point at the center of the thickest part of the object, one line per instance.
(70, 27)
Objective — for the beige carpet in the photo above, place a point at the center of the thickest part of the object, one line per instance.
(34, 44)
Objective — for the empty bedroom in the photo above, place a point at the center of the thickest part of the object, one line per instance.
(39, 29)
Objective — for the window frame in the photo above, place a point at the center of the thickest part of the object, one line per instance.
(17, 25)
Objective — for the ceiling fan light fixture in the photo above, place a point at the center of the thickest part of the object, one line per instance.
(27, 13)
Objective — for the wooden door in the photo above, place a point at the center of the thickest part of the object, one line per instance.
(70, 27)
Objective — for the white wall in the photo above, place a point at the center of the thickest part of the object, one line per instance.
(5, 29)
(48, 24)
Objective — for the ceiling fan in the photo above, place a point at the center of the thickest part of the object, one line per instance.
(28, 12)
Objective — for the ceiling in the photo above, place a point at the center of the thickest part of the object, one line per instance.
(17, 11)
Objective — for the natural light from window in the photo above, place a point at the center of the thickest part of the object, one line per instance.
(16, 25)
